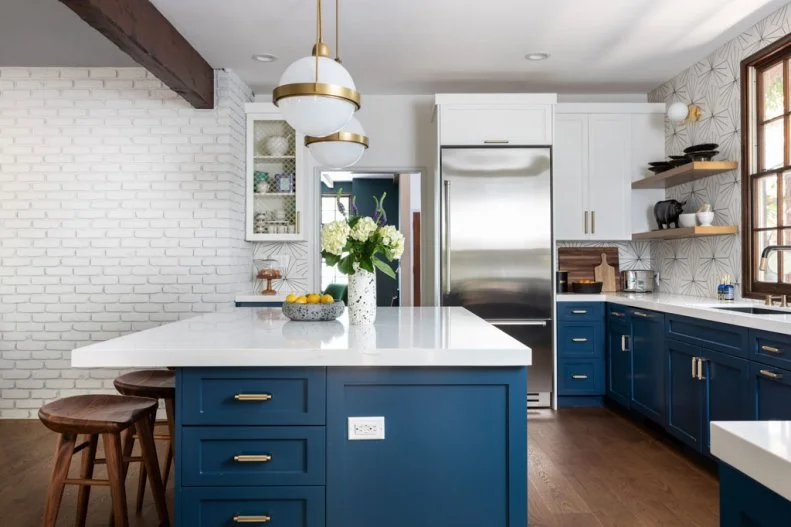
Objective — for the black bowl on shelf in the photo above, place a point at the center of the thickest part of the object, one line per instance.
(677, 158)
(701, 148)
(702, 155)
(678, 162)
(661, 168)
(588, 289)
(658, 163)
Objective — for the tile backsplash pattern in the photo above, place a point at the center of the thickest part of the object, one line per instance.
(295, 275)
(694, 267)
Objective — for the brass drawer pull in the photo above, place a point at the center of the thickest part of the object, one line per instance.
(252, 458)
(253, 396)
(579, 377)
(579, 340)
(771, 374)
(579, 312)
(643, 315)
(771, 349)
(617, 314)
(238, 518)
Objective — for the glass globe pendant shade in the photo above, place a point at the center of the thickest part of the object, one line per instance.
(341, 149)
(316, 105)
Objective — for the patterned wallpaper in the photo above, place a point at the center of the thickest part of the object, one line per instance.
(693, 267)
(296, 272)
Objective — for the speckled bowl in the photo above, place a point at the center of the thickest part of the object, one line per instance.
(313, 312)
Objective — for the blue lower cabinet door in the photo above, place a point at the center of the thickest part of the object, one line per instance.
(252, 455)
(269, 506)
(685, 394)
(770, 390)
(729, 389)
(746, 503)
(648, 361)
(618, 364)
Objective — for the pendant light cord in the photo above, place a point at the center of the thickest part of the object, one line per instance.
(318, 36)
(337, 32)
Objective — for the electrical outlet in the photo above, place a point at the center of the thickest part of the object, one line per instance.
(366, 428)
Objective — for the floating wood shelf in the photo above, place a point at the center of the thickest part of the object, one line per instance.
(686, 232)
(685, 174)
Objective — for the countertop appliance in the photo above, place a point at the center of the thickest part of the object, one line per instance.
(637, 281)
(496, 246)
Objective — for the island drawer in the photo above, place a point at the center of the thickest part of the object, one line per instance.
(770, 348)
(251, 396)
(581, 311)
(252, 455)
(270, 506)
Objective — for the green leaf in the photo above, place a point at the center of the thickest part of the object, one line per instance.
(346, 265)
(330, 259)
(367, 264)
(384, 267)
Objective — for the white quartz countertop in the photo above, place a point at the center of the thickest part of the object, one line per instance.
(406, 336)
(692, 306)
(759, 449)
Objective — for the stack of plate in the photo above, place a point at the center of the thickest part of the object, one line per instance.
(702, 152)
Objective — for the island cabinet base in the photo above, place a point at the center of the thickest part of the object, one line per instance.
(271, 446)
(746, 503)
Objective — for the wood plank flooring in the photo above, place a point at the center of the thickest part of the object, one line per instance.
(587, 467)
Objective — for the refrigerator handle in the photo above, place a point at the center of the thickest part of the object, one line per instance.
(447, 236)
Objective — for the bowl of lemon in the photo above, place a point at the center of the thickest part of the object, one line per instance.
(312, 307)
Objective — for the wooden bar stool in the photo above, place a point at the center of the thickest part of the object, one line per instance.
(108, 416)
(155, 384)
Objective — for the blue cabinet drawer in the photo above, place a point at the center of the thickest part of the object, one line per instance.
(581, 377)
(711, 335)
(617, 314)
(770, 348)
(252, 455)
(581, 311)
(770, 390)
(270, 506)
(575, 340)
(257, 396)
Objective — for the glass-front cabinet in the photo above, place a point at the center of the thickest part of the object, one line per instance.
(275, 188)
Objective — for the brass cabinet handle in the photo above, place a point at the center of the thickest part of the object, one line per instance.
(252, 458)
(694, 367)
(579, 377)
(496, 141)
(771, 349)
(586, 222)
(641, 314)
(771, 374)
(253, 396)
(593, 222)
(579, 340)
(623, 342)
(617, 314)
(700, 376)
(579, 311)
(238, 518)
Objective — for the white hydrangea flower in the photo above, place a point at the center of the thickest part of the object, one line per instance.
(334, 236)
(392, 241)
(364, 229)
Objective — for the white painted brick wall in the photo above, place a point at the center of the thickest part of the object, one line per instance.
(121, 208)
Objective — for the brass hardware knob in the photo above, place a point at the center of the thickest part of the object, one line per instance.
(253, 396)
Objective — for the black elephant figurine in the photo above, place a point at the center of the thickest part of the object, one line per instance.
(667, 213)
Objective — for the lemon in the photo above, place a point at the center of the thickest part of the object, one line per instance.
(327, 299)
(313, 298)
(291, 298)
(301, 300)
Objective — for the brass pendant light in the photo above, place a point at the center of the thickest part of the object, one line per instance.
(317, 95)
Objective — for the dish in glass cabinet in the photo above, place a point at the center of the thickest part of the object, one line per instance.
(701, 148)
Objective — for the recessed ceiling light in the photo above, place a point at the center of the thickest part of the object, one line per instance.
(537, 56)
(264, 57)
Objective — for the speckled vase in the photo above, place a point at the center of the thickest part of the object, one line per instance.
(362, 298)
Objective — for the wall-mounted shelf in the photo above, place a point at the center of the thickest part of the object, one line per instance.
(686, 232)
(684, 174)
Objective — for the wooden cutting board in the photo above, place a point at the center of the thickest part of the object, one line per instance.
(605, 273)
(580, 261)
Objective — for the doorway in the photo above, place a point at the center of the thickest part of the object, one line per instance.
(342, 191)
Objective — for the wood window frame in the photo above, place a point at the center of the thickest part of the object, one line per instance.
(752, 162)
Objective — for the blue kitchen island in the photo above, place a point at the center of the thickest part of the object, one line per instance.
(418, 420)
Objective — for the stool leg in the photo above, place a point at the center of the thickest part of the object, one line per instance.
(63, 453)
(129, 445)
(86, 472)
(171, 415)
(114, 457)
(145, 435)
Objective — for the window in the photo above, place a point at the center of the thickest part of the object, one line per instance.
(766, 166)
(330, 212)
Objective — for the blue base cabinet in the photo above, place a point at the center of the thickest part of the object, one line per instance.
(619, 362)
(746, 503)
(580, 345)
(270, 446)
(648, 364)
(685, 394)
(727, 390)
(770, 388)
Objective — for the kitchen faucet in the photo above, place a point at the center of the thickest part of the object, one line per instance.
(764, 263)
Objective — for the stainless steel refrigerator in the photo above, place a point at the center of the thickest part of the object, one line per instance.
(496, 232)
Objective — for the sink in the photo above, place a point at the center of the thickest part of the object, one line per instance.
(755, 310)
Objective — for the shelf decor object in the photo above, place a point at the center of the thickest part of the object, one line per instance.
(317, 95)
(684, 174)
(686, 232)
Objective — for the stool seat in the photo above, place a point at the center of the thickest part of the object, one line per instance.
(157, 384)
(94, 414)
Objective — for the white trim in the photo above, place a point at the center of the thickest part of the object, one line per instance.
(620, 108)
(496, 99)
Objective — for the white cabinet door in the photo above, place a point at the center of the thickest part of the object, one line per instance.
(570, 176)
(609, 177)
(462, 125)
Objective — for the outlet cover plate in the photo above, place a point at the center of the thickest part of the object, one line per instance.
(366, 428)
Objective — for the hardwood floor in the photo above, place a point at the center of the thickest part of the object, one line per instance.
(587, 467)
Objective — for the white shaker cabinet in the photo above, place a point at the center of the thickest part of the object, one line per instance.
(570, 177)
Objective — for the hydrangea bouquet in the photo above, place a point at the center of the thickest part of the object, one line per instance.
(358, 242)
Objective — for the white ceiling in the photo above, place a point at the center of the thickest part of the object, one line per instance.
(428, 46)
(41, 33)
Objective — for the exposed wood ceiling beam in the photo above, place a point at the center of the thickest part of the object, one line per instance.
(142, 32)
